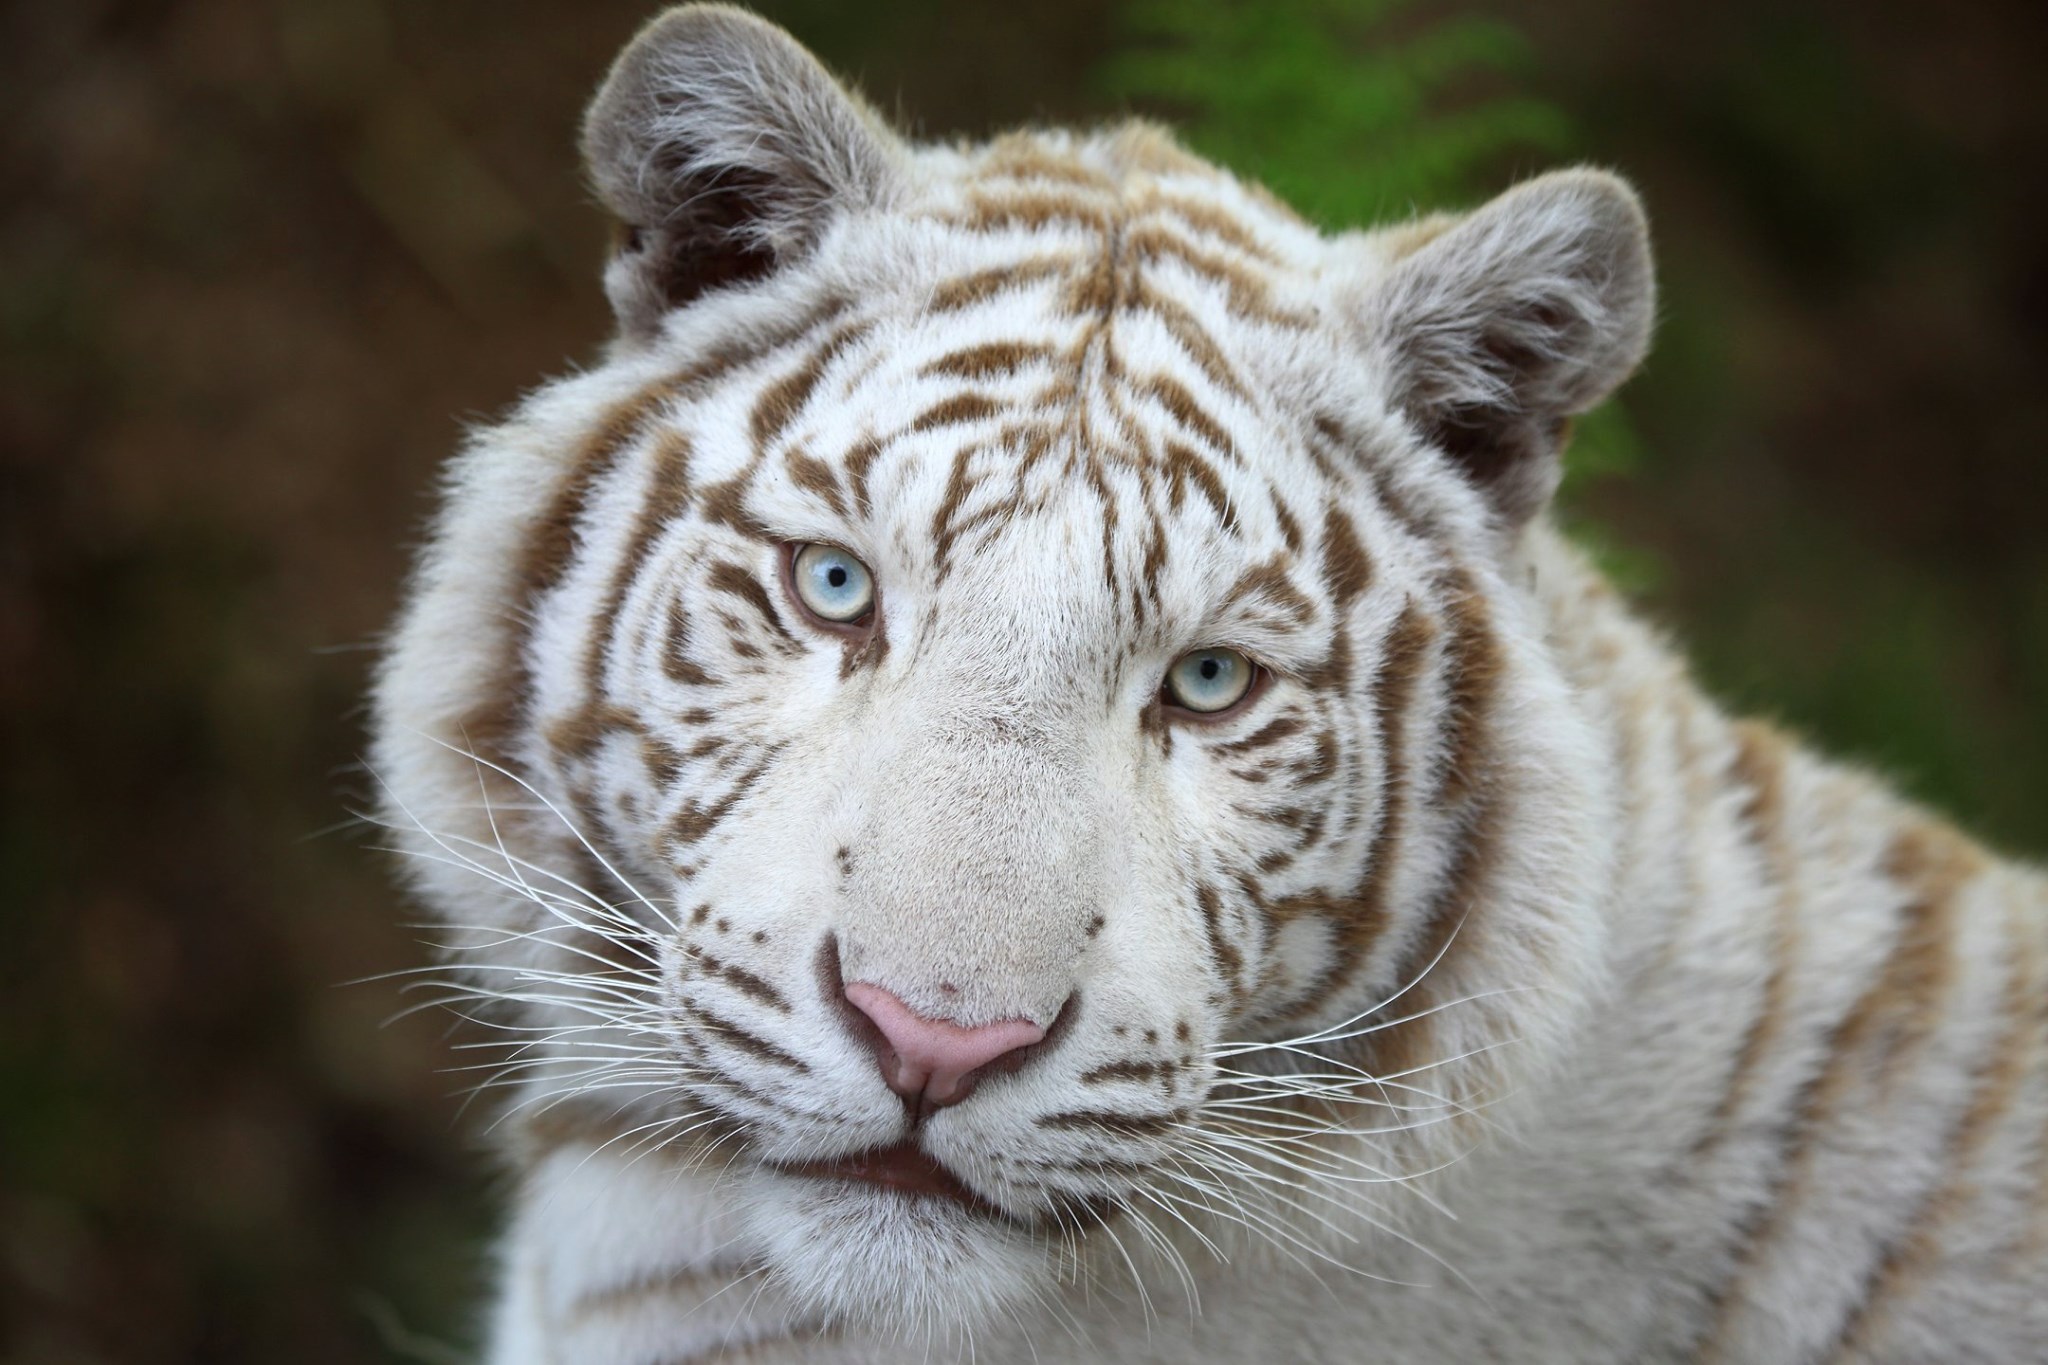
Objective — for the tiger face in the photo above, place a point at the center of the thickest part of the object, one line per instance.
(996, 717)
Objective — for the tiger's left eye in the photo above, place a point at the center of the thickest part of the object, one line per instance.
(831, 584)
(1206, 681)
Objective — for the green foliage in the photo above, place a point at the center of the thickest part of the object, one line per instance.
(1310, 98)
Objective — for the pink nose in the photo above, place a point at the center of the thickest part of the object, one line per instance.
(933, 1059)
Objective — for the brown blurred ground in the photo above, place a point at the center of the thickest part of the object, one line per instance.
(260, 260)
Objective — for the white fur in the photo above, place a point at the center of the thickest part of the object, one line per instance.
(1536, 1188)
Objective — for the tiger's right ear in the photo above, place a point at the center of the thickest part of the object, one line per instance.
(724, 149)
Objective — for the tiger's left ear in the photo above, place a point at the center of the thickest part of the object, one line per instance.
(725, 151)
(1497, 330)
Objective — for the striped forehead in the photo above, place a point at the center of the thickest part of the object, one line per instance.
(1088, 380)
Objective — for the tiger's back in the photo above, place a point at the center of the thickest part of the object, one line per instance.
(1022, 758)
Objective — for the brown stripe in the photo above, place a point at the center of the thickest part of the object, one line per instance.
(696, 819)
(725, 503)
(1245, 292)
(1322, 764)
(1183, 467)
(982, 285)
(1360, 918)
(1926, 862)
(579, 734)
(1272, 732)
(490, 726)
(1193, 338)
(1269, 582)
(1112, 517)
(860, 462)
(668, 491)
(1473, 678)
(1347, 568)
(866, 651)
(1129, 1071)
(1290, 529)
(1035, 212)
(1191, 415)
(1933, 864)
(553, 540)
(1229, 961)
(663, 761)
(1698, 740)
(991, 360)
(1400, 506)
(736, 581)
(727, 1031)
(1019, 156)
(740, 979)
(780, 402)
(1335, 464)
(1211, 221)
(959, 483)
(2031, 1245)
(1114, 1124)
(815, 476)
(1152, 569)
(1094, 290)
(965, 407)
(1331, 439)
(1916, 1250)
(1291, 817)
(1759, 770)
(675, 660)
(1332, 672)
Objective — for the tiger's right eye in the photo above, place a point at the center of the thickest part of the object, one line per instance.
(1209, 681)
(831, 584)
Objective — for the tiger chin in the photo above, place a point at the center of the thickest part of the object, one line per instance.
(1018, 772)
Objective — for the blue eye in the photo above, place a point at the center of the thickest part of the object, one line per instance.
(832, 584)
(1209, 680)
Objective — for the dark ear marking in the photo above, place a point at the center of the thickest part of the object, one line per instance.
(1497, 330)
(725, 150)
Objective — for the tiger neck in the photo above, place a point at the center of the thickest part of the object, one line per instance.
(1693, 785)
(1664, 741)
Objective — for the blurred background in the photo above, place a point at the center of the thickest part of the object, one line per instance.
(259, 260)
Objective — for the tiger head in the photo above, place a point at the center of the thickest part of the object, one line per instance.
(1007, 707)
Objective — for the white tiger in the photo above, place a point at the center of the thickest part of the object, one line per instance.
(1028, 779)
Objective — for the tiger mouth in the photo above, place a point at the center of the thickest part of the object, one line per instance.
(904, 1168)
